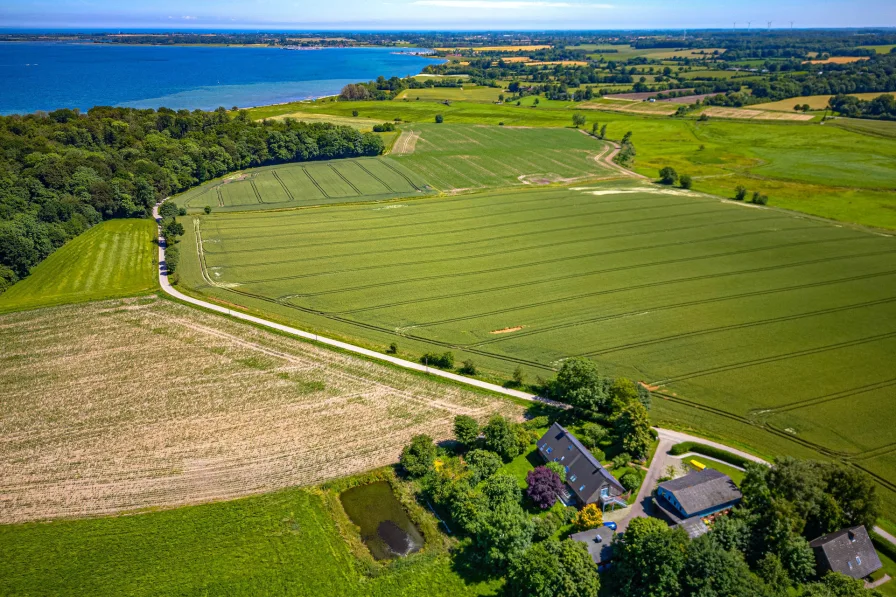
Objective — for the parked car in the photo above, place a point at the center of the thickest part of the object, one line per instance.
(610, 525)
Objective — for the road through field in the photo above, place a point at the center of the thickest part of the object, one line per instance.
(166, 286)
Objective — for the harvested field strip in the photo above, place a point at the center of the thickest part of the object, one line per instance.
(143, 442)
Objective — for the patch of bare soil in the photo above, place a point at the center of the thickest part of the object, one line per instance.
(406, 143)
(508, 330)
(142, 403)
(747, 114)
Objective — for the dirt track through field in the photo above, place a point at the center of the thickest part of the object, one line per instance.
(406, 143)
(143, 403)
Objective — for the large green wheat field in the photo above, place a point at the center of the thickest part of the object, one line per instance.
(756, 316)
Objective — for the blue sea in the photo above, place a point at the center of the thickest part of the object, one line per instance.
(47, 76)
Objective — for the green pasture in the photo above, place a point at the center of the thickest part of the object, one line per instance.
(359, 122)
(736, 474)
(886, 49)
(284, 543)
(841, 170)
(112, 259)
(760, 316)
(456, 157)
(304, 184)
(470, 93)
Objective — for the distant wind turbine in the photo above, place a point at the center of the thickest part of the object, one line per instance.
(769, 26)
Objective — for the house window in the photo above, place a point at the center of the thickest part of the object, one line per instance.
(544, 445)
(555, 459)
(566, 468)
(550, 450)
(562, 458)
(573, 478)
(850, 564)
(582, 488)
(858, 560)
(569, 447)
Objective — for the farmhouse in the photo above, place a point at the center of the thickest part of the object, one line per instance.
(599, 542)
(586, 478)
(848, 551)
(697, 495)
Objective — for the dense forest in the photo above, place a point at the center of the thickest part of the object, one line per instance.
(62, 172)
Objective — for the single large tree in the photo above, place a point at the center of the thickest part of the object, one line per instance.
(649, 561)
(501, 438)
(543, 486)
(580, 384)
(633, 428)
(554, 569)
(483, 464)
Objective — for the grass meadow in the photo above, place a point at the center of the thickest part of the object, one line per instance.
(283, 543)
(837, 171)
(759, 316)
(114, 258)
(816, 102)
(304, 184)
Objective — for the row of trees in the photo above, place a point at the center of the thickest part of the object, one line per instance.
(65, 171)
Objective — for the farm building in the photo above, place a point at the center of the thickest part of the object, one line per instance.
(586, 478)
(848, 551)
(599, 542)
(696, 495)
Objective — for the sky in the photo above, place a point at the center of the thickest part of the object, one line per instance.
(443, 14)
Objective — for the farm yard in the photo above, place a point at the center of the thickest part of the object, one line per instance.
(699, 297)
(304, 184)
(165, 405)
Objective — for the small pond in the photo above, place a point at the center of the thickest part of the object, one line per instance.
(386, 528)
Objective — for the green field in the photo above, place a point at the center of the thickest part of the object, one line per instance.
(761, 316)
(304, 184)
(284, 543)
(456, 157)
(112, 259)
(471, 93)
(830, 171)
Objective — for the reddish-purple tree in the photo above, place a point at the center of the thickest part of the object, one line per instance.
(544, 485)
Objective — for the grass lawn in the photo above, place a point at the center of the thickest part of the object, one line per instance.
(284, 543)
(470, 93)
(113, 259)
(520, 466)
(736, 475)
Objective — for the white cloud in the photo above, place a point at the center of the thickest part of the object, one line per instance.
(189, 18)
(505, 4)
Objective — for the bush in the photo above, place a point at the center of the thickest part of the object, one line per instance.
(207, 209)
(668, 175)
(439, 119)
(483, 463)
(386, 127)
(355, 113)
(631, 481)
(686, 181)
(557, 468)
(545, 526)
(543, 487)
(393, 348)
(740, 193)
(466, 430)
(501, 437)
(418, 457)
(622, 460)
(759, 198)
(168, 210)
(589, 517)
(685, 447)
(537, 422)
(172, 257)
(598, 453)
(592, 435)
(442, 361)
(468, 368)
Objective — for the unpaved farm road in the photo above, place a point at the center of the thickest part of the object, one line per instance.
(606, 158)
(667, 437)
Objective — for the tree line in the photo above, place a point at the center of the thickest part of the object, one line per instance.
(64, 171)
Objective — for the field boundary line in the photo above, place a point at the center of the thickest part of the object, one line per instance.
(401, 174)
(168, 289)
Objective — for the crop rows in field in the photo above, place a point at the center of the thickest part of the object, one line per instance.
(458, 157)
(307, 183)
(186, 407)
(771, 318)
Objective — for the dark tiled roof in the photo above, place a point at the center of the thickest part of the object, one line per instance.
(586, 475)
(601, 551)
(848, 551)
(703, 490)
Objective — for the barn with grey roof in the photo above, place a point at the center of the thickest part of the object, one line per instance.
(697, 494)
